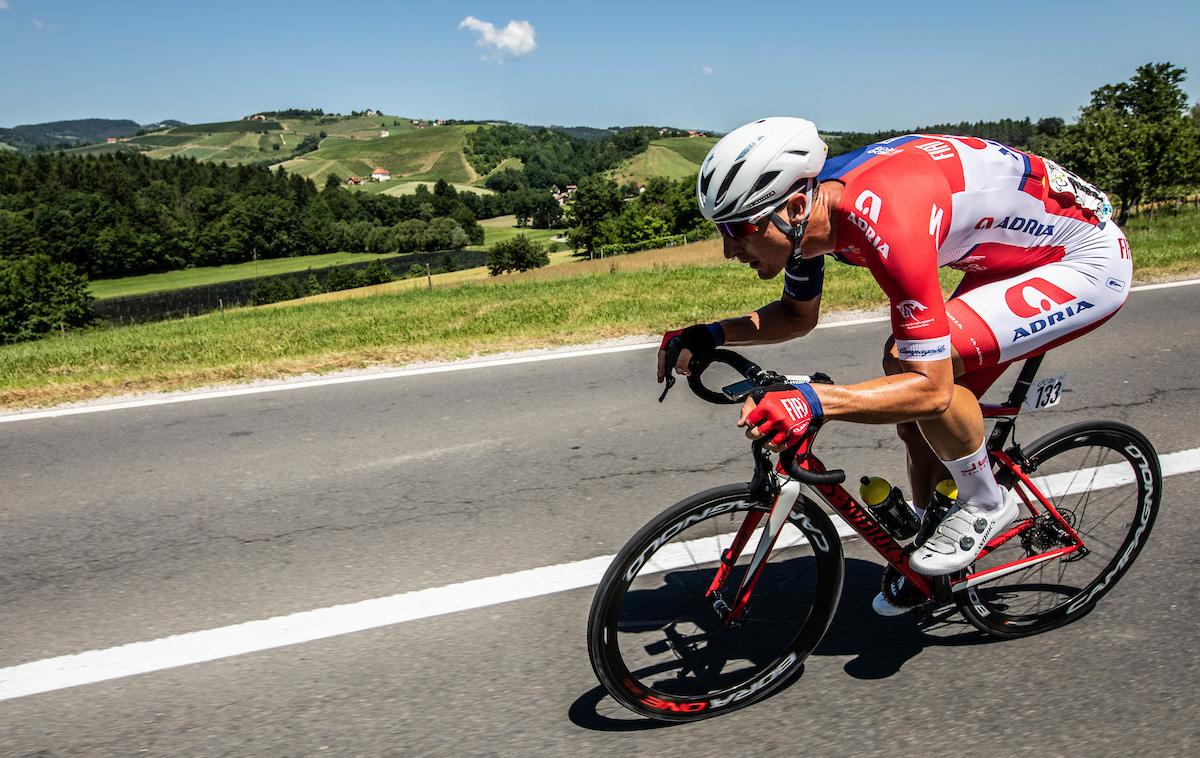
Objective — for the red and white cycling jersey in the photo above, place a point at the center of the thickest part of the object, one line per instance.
(918, 202)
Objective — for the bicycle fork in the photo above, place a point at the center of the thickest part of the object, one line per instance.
(785, 498)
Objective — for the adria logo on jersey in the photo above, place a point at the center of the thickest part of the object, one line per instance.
(1054, 304)
(869, 204)
(1017, 224)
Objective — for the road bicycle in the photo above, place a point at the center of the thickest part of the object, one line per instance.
(687, 623)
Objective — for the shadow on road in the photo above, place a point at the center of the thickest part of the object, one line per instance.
(879, 646)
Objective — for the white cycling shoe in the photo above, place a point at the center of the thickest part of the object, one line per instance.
(961, 536)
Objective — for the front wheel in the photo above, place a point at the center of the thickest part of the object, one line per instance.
(654, 639)
(1104, 478)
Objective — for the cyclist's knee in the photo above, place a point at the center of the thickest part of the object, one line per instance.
(910, 434)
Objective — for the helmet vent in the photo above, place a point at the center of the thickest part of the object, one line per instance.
(764, 181)
(724, 212)
(729, 180)
(705, 180)
(801, 153)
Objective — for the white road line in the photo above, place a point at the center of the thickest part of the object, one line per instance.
(253, 636)
(399, 373)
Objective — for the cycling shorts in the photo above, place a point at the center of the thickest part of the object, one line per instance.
(995, 321)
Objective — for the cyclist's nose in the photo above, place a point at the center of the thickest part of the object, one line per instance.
(731, 248)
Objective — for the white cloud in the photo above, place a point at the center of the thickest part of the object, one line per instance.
(708, 70)
(3, 5)
(39, 23)
(513, 41)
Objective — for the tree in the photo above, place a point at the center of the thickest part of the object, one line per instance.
(595, 199)
(517, 254)
(333, 181)
(444, 234)
(1134, 138)
(376, 273)
(38, 295)
(545, 211)
(18, 237)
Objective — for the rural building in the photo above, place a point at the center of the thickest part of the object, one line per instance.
(255, 117)
(110, 140)
(355, 180)
(381, 175)
(383, 133)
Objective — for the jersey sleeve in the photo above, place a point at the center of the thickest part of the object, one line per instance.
(894, 218)
(804, 278)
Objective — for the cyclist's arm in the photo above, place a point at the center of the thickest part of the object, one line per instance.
(782, 320)
(924, 389)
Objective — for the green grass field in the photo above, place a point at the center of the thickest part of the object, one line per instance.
(693, 149)
(194, 277)
(503, 228)
(566, 304)
(674, 157)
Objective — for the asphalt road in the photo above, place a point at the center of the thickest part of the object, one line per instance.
(139, 524)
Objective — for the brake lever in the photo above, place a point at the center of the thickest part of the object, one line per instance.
(670, 382)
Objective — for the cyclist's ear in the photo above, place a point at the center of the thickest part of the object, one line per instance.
(798, 208)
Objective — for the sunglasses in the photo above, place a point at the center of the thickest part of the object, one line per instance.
(738, 229)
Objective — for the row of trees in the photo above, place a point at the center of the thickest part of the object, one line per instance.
(1138, 140)
(549, 157)
(123, 214)
(601, 214)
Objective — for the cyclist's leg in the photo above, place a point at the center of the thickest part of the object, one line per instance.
(925, 469)
(999, 322)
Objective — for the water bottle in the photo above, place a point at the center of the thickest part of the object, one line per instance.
(887, 504)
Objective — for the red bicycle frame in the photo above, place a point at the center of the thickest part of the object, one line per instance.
(877, 537)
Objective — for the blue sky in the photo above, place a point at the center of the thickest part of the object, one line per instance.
(860, 65)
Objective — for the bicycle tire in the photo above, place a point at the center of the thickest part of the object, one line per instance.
(1013, 606)
(649, 562)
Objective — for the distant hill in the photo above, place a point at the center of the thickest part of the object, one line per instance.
(316, 145)
(270, 140)
(60, 134)
(428, 154)
(672, 157)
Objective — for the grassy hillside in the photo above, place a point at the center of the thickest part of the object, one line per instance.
(354, 147)
(412, 154)
(195, 277)
(236, 142)
(397, 188)
(674, 157)
(401, 322)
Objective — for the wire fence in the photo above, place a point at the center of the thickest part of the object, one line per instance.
(673, 240)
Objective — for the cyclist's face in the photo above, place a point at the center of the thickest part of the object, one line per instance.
(765, 249)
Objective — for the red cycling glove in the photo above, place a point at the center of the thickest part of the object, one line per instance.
(785, 415)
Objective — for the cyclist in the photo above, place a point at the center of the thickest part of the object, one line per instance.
(1042, 261)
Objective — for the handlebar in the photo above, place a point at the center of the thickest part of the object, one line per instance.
(756, 377)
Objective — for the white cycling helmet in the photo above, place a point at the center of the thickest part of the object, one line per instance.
(756, 167)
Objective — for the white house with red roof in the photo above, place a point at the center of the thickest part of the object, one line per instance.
(381, 175)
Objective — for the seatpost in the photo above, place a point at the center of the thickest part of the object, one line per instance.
(1024, 379)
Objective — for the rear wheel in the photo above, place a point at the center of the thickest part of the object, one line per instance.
(1104, 479)
(656, 642)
